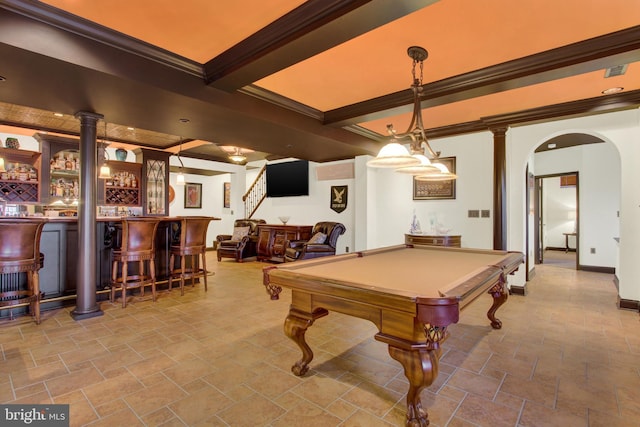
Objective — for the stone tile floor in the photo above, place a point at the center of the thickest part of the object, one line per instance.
(566, 356)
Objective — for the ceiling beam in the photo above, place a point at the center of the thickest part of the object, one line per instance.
(312, 28)
(617, 48)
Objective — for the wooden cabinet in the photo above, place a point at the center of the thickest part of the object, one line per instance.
(123, 188)
(60, 171)
(59, 244)
(61, 175)
(433, 240)
(154, 181)
(272, 238)
(19, 182)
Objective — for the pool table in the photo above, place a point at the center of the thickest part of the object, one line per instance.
(411, 293)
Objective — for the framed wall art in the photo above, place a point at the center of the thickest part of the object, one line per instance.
(437, 190)
(226, 195)
(192, 195)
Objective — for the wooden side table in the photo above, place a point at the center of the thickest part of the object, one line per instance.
(566, 241)
(272, 237)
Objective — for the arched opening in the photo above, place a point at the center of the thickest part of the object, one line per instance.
(573, 202)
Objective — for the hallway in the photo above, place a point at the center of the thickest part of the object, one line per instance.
(559, 259)
(566, 356)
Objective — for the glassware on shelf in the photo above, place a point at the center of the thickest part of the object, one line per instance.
(121, 189)
(155, 186)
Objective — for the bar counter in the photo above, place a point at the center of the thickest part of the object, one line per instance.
(59, 244)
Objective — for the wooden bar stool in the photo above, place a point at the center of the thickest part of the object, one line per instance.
(138, 245)
(192, 244)
(20, 253)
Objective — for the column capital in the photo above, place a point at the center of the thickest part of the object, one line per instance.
(499, 130)
(88, 115)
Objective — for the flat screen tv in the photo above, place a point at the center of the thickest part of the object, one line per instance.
(288, 179)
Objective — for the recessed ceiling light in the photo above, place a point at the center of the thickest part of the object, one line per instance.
(552, 145)
(612, 90)
(58, 114)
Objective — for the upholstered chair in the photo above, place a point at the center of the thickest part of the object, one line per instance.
(242, 243)
(323, 242)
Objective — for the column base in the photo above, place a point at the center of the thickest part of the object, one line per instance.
(86, 315)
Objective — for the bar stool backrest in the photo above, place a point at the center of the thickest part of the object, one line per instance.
(138, 234)
(20, 243)
(193, 232)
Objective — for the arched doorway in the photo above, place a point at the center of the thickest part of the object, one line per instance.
(583, 172)
(556, 221)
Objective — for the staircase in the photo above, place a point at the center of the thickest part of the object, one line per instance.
(255, 194)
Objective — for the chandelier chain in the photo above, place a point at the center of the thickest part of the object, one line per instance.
(413, 71)
(180, 152)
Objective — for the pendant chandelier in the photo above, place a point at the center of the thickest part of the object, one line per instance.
(180, 176)
(420, 160)
(105, 170)
(237, 156)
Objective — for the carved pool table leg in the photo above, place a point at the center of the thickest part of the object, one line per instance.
(420, 368)
(272, 290)
(295, 326)
(500, 295)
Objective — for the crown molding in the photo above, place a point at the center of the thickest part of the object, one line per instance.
(74, 24)
(584, 107)
(281, 101)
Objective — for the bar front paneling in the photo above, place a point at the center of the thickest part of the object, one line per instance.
(59, 244)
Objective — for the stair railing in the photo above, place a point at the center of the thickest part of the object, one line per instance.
(255, 194)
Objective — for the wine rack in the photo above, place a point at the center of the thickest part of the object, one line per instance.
(121, 196)
(122, 188)
(19, 191)
(19, 183)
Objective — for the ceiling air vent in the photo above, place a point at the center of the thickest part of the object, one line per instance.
(618, 70)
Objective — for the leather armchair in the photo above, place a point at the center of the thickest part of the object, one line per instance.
(303, 249)
(242, 248)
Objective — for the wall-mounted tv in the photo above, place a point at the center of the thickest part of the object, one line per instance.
(288, 179)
